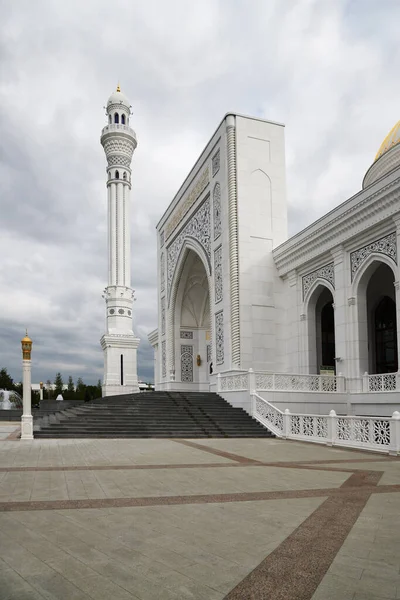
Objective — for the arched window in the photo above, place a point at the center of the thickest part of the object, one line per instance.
(122, 369)
(124, 175)
(116, 174)
(109, 119)
(116, 118)
(123, 119)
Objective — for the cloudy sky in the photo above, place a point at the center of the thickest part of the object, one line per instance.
(328, 69)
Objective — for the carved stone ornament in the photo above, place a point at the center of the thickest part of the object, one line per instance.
(326, 272)
(215, 163)
(218, 284)
(198, 228)
(217, 211)
(163, 316)
(162, 272)
(186, 363)
(185, 204)
(219, 336)
(186, 335)
(162, 238)
(164, 359)
(386, 245)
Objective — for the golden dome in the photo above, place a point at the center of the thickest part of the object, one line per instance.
(26, 338)
(392, 138)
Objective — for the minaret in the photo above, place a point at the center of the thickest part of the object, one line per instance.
(119, 343)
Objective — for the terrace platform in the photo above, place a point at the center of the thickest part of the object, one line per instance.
(196, 519)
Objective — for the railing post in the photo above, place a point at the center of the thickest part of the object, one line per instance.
(332, 418)
(286, 423)
(218, 383)
(365, 382)
(252, 403)
(252, 381)
(340, 383)
(394, 448)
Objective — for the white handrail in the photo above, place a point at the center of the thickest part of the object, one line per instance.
(381, 434)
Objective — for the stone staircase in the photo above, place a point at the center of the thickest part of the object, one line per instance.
(151, 415)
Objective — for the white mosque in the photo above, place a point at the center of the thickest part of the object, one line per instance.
(308, 320)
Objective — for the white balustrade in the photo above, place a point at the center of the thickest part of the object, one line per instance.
(371, 433)
(386, 382)
(288, 382)
(233, 382)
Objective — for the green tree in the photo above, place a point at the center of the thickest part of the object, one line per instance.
(71, 387)
(6, 381)
(80, 389)
(58, 384)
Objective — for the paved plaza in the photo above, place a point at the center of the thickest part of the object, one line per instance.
(206, 519)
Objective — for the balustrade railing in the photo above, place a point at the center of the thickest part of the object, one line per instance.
(284, 382)
(289, 382)
(233, 382)
(381, 434)
(386, 382)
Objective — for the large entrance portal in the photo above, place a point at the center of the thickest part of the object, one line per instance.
(192, 326)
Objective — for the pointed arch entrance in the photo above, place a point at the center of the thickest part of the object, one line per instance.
(321, 330)
(377, 322)
(191, 327)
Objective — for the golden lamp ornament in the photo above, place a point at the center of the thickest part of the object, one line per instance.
(26, 344)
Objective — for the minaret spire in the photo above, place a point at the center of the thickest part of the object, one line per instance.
(119, 342)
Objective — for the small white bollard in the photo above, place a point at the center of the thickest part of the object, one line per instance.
(332, 419)
(395, 433)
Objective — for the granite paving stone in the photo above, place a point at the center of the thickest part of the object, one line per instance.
(202, 550)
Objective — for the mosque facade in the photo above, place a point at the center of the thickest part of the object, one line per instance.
(236, 293)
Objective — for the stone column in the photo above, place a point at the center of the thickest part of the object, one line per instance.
(26, 419)
(340, 311)
(41, 391)
(396, 220)
(293, 350)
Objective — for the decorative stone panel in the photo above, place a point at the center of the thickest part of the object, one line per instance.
(386, 245)
(162, 272)
(162, 238)
(184, 205)
(163, 316)
(215, 163)
(327, 272)
(217, 211)
(164, 359)
(218, 283)
(186, 363)
(198, 228)
(186, 335)
(208, 353)
(219, 336)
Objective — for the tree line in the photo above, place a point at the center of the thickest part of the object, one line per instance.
(80, 391)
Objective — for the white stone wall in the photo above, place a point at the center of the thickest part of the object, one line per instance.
(231, 211)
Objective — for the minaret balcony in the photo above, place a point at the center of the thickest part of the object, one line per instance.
(118, 128)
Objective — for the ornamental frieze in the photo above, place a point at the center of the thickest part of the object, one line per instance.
(198, 228)
(326, 272)
(386, 245)
(187, 203)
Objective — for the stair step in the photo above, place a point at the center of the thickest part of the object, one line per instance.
(152, 415)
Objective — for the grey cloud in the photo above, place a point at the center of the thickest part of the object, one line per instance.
(326, 69)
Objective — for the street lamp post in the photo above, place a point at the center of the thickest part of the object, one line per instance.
(26, 419)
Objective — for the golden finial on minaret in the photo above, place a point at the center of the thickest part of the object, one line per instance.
(118, 88)
(26, 343)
